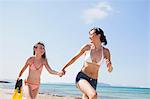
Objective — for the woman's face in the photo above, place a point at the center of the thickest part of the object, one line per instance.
(93, 36)
(40, 49)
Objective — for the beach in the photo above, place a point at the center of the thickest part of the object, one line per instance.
(7, 94)
(69, 91)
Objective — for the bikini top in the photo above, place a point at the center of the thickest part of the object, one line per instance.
(89, 60)
(34, 67)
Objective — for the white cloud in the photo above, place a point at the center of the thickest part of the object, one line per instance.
(98, 12)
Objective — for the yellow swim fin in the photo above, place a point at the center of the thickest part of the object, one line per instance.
(18, 90)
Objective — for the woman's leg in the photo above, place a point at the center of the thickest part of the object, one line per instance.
(87, 89)
(84, 96)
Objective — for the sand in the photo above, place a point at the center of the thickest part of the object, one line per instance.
(7, 94)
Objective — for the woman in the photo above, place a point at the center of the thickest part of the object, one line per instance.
(36, 64)
(94, 52)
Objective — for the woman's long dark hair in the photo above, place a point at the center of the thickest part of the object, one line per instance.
(35, 46)
(100, 31)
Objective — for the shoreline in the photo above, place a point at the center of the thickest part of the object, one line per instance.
(63, 91)
(7, 94)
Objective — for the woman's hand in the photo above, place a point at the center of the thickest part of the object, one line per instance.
(110, 68)
(109, 65)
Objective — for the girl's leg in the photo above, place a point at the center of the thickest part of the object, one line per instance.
(87, 89)
(32, 93)
(29, 92)
(35, 92)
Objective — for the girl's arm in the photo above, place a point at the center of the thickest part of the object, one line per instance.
(24, 68)
(50, 70)
(80, 53)
(108, 59)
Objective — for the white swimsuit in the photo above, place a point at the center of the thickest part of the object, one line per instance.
(89, 60)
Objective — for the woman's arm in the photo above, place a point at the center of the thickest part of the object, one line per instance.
(108, 59)
(80, 53)
(24, 68)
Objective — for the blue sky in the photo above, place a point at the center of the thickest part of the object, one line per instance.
(63, 26)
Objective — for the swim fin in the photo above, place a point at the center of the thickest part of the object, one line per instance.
(18, 90)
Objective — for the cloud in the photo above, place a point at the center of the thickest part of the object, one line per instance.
(98, 12)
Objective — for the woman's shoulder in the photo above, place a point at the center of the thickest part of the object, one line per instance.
(106, 50)
(86, 47)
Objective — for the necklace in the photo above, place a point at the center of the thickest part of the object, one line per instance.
(97, 49)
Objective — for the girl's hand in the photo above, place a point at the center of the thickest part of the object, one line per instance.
(18, 78)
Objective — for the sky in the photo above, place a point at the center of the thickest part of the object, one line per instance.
(63, 26)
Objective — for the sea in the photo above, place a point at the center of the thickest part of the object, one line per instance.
(104, 92)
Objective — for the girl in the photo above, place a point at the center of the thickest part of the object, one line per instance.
(36, 64)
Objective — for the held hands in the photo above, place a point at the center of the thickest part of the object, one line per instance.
(61, 73)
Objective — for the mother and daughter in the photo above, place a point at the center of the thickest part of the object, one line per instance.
(86, 79)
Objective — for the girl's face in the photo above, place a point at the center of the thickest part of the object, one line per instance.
(39, 50)
(93, 36)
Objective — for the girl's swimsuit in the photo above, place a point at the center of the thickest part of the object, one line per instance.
(39, 70)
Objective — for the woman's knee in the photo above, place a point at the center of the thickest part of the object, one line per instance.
(93, 95)
(84, 96)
